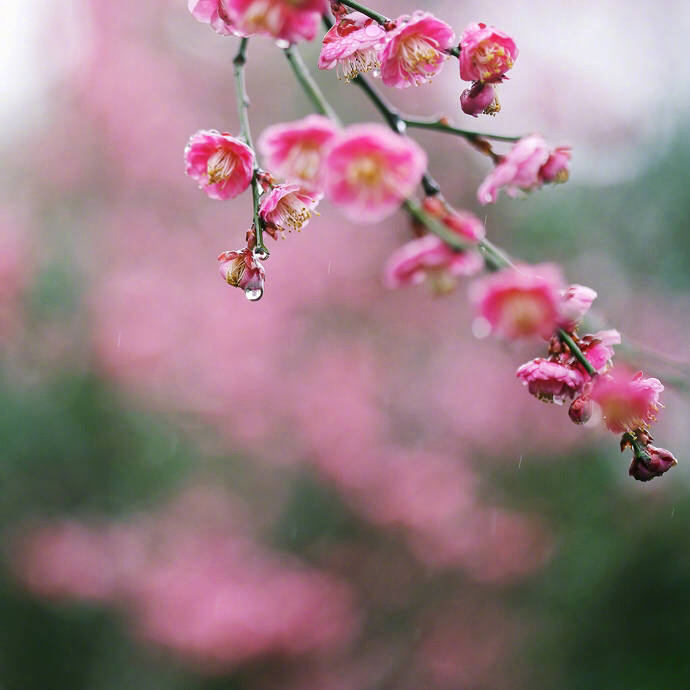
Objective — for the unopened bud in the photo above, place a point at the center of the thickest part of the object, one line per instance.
(580, 410)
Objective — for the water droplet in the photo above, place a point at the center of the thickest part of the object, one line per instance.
(260, 253)
(253, 295)
(481, 328)
(376, 73)
(282, 44)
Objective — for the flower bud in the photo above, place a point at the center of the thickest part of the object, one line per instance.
(580, 410)
(659, 461)
(481, 98)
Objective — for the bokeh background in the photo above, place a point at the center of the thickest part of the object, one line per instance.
(339, 487)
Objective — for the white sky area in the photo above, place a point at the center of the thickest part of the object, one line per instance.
(611, 78)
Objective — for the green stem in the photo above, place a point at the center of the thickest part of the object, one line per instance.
(440, 126)
(577, 352)
(309, 85)
(243, 104)
(435, 226)
(380, 18)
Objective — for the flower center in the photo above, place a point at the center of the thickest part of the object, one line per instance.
(364, 171)
(262, 15)
(360, 62)
(234, 275)
(524, 313)
(491, 60)
(292, 213)
(421, 57)
(220, 166)
(303, 161)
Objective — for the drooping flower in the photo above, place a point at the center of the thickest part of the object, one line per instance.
(296, 150)
(429, 259)
(486, 53)
(520, 302)
(213, 12)
(285, 20)
(557, 166)
(287, 207)
(481, 98)
(241, 269)
(524, 168)
(352, 45)
(576, 301)
(658, 461)
(550, 381)
(221, 164)
(370, 170)
(627, 401)
(415, 50)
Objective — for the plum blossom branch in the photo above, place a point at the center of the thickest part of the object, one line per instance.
(376, 16)
(243, 104)
(566, 338)
(308, 84)
(441, 125)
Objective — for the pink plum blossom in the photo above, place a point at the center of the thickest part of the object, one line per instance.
(296, 150)
(241, 269)
(370, 170)
(556, 168)
(520, 302)
(221, 164)
(486, 53)
(481, 98)
(415, 50)
(287, 207)
(526, 166)
(550, 381)
(576, 301)
(463, 223)
(213, 12)
(429, 258)
(352, 45)
(659, 461)
(598, 348)
(286, 20)
(628, 401)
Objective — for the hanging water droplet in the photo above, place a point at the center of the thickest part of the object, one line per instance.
(260, 253)
(254, 295)
(376, 73)
(282, 44)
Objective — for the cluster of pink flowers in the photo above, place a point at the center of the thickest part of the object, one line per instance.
(528, 165)
(411, 50)
(532, 301)
(285, 20)
(365, 170)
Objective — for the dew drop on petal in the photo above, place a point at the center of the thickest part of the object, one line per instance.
(253, 295)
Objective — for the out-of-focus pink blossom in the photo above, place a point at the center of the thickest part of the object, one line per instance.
(352, 45)
(463, 223)
(286, 20)
(598, 348)
(415, 50)
(550, 381)
(241, 269)
(429, 258)
(371, 170)
(576, 301)
(520, 302)
(659, 461)
(628, 401)
(295, 150)
(518, 169)
(221, 164)
(556, 168)
(287, 207)
(486, 53)
(481, 98)
(213, 12)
